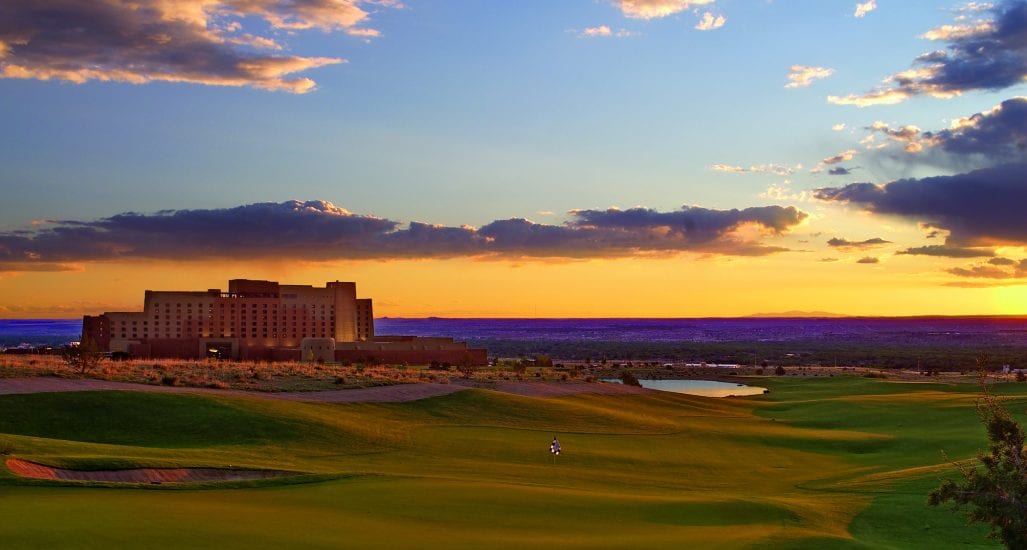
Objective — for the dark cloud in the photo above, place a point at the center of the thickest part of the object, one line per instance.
(318, 230)
(139, 41)
(991, 55)
(999, 134)
(845, 243)
(1018, 271)
(946, 251)
(979, 208)
(1001, 261)
(868, 260)
(839, 171)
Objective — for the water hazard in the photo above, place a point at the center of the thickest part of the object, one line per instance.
(705, 388)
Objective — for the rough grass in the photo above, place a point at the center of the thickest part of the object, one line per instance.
(825, 463)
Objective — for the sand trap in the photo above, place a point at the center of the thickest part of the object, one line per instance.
(32, 470)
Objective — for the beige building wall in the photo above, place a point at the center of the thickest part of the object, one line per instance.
(252, 314)
(318, 350)
(345, 296)
(365, 320)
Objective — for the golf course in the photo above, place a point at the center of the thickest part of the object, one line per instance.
(832, 462)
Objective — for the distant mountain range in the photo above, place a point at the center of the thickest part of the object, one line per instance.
(800, 314)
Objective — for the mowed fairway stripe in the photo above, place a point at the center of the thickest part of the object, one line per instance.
(798, 468)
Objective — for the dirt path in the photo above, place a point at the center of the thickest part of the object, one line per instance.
(32, 470)
(379, 394)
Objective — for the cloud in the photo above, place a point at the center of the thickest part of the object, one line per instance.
(845, 243)
(1018, 271)
(777, 169)
(602, 31)
(994, 136)
(710, 22)
(909, 136)
(1001, 261)
(863, 8)
(319, 230)
(193, 41)
(988, 55)
(979, 208)
(655, 9)
(838, 127)
(946, 251)
(844, 156)
(840, 157)
(801, 76)
(868, 260)
(839, 171)
(947, 33)
(998, 134)
(783, 193)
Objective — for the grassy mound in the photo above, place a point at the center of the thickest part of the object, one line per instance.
(826, 463)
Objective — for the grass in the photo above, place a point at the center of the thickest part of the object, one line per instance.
(843, 462)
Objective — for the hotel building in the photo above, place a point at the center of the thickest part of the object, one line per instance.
(264, 320)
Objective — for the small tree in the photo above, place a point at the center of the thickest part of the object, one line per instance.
(467, 369)
(996, 494)
(629, 379)
(83, 357)
(779, 371)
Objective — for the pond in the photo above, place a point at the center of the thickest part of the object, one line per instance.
(705, 388)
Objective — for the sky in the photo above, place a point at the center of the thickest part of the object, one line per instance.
(459, 158)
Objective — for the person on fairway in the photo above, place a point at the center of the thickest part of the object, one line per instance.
(554, 447)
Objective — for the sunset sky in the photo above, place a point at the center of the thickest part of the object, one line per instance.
(581, 158)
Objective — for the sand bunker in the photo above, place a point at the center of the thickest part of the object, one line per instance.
(138, 475)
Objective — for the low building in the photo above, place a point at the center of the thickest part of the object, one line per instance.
(264, 320)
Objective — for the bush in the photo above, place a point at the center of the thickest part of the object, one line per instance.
(759, 370)
(1021, 377)
(169, 380)
(780, 371)
(629, 379)
(996, 489)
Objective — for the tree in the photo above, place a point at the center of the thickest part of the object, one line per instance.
(83, 357)
(997, 493)
(629, 379)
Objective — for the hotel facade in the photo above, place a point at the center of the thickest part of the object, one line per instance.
(264, 320)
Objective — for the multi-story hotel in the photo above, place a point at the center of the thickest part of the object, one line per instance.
(264, 320)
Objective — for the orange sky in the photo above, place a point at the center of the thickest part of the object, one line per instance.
(681, 286)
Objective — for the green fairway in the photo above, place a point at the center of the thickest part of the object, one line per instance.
(817, 463)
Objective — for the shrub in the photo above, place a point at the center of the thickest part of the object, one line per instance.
(1021, 377)
(779, 371)
(996, 489)
(759, 370)
(629, 379)
(169, 380)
